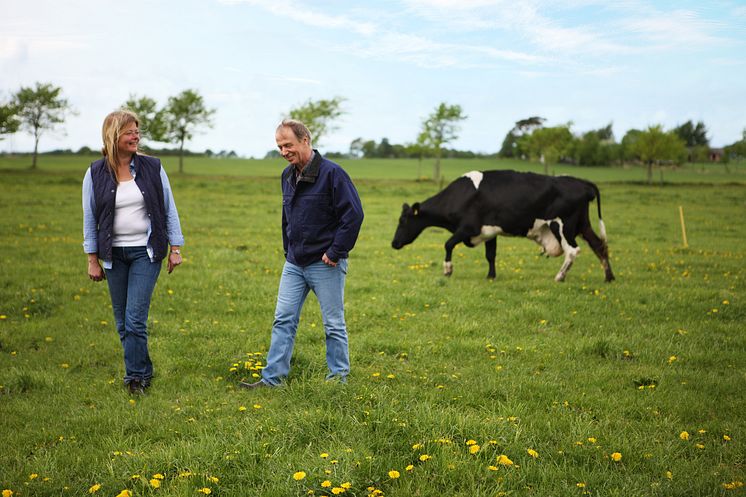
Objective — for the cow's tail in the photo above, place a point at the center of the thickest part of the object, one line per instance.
(601, 225)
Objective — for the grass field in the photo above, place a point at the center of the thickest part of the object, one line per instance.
(460, 386)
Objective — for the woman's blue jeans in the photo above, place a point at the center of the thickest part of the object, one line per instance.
(131, 280)
(328, 284)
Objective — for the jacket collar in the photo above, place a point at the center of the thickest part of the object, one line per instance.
(311, 171)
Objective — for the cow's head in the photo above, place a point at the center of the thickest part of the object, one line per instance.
(411, 224)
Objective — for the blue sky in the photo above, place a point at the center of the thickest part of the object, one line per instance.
(591, 62)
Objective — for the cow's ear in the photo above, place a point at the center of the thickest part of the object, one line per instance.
(416, 208)
(405, 206)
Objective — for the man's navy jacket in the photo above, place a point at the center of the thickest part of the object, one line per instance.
(321, 212)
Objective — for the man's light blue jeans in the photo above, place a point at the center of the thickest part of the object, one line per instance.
(328, 284)
(131, 281)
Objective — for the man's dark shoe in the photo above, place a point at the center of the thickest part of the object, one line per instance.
(135, 387)
(258, 384)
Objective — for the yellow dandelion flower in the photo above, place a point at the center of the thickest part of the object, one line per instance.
(733, 485)
(214, 479)
(580, 484)
(124, 493)
(416, 446)
(492, 468)
(326, 484)
(669, 475)
(33, 476)
(471, 442)
(424, 457)
(242, 408)
(299, 475)
(257, 406)
(158, 476)
(346, 485)
(474, 449)
(394, 474)
(376, 375)
(616, 456)
(701, 431)
(205, 490)
(94, 488)
(684, 435)
(532, 453)
(592, 440)
(672, 359)
(699, 446)
(503, 460)
(185, 474)
(323, 455)
(333, 461)
(134, 477)
(7, 492)
(338, 490)
(726, 438)
(155, 483)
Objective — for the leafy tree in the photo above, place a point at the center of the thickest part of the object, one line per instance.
(183, 115)
(152, 120)
(736, 150)
(318, 116)
(548, 145)
(39, 109)
(370, 149)
(629, 145)
(523, 127)
(655, 145)
(356, 148)
(385, 149)
(9, 122)
(693, 135)
(696, 140)
(439, 128)
(596, 148)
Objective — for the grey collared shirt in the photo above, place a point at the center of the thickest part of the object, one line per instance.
(298, 173)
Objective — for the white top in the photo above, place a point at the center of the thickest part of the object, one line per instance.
(131, 221)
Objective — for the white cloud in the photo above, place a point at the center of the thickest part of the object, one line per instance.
(429, 53)
(300, 13)
(673, 29)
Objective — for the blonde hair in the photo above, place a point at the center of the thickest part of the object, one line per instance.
(111, 131)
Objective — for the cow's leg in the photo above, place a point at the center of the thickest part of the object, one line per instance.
(450, 244)
(600, 248)
(569, 247)
(490, 249)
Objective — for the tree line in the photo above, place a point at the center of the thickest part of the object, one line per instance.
(41, 108)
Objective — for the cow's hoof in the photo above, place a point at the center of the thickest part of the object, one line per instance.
(447, 268)
(560, 278)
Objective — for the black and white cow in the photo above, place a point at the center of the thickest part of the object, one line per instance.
(478, 206)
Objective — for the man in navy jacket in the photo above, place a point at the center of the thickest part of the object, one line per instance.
(321, 219)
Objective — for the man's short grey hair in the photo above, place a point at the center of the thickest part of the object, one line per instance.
(299, 129)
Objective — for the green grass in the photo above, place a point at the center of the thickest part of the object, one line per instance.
(517, 363)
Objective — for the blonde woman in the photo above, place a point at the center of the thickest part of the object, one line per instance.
(130, 223)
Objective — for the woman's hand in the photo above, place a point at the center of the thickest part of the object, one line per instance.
(95, 271)
(174, 259)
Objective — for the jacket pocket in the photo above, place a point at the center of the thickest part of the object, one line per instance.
(316, 209)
